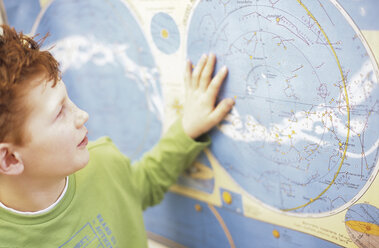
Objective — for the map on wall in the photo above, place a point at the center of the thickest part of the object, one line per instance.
(302, 137)
(295, 162)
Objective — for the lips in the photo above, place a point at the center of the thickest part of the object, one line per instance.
(84, 142)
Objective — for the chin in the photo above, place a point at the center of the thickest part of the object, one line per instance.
(83, 161)
(86, 160)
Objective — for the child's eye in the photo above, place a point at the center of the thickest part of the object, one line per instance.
(60, 112)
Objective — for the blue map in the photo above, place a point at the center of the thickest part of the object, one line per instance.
(218, 227)
(303, 136)
(363, 213)
(21, 14)
(363, 12)
(165, 33)
(108, 72)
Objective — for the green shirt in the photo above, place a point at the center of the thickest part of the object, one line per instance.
(104, 202)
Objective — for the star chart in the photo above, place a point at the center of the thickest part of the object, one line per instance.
(302, 137)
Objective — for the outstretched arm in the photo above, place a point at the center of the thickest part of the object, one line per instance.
(159, 168)
(200, 112)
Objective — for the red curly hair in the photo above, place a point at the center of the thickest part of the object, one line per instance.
(21, 61)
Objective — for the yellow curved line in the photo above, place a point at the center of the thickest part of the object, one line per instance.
(363, 227)
(347, 109)
(223, 226)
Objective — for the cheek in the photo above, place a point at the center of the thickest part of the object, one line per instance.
(60, 141)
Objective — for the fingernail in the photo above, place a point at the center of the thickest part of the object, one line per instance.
(203, 56)
(224, 68)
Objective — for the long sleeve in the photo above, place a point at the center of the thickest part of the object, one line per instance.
(104, 201)
(161, 167)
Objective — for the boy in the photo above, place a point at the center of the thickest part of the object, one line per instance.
(55, 191)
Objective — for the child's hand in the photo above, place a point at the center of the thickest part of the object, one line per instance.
(200, 113)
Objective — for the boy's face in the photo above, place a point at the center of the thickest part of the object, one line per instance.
(58, 137)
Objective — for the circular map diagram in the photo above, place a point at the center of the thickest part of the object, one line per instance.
(165, 33)
(108, 72)
(362, 224)
(302, 137)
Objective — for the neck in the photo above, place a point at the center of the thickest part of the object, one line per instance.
(30, 195)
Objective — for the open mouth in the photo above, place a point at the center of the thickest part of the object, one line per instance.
(84, 142)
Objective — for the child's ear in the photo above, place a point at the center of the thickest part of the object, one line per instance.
(10, 162)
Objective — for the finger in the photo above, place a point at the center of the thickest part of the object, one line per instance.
(221, 110)
(206, 74)
(215, 85)
(197, 71)
(188, 74)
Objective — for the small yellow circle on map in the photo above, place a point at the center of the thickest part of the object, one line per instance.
(164, 33)
(276, 233)
(227, 197)
(198, 207)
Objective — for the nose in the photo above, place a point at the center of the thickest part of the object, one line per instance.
(81, 117)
